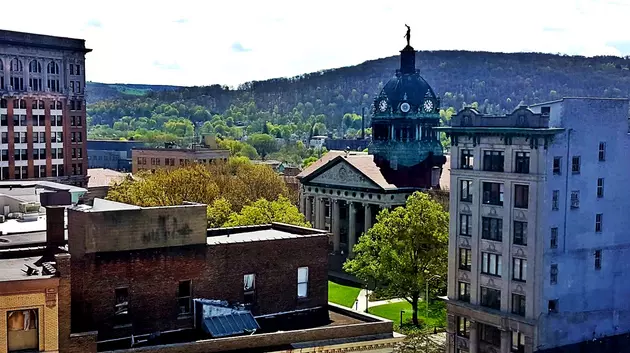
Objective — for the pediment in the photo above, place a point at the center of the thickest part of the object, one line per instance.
(343, 174)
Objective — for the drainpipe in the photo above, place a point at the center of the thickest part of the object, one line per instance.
(567, 194)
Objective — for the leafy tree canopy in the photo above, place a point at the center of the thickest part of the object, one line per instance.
(264, 212)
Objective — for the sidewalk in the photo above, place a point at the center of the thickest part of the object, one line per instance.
(361, 303)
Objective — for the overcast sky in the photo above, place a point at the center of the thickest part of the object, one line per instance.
(202, 42)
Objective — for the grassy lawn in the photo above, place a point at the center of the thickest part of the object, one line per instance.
(342, 294)
(437, 313)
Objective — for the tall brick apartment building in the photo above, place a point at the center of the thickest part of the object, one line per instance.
(42, 108)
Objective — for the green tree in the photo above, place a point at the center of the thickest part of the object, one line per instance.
(404, 249)
(219, 212)
(420, 341)
(263, 143)
(265, 212)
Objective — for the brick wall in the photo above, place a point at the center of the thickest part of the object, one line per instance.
(152, 277)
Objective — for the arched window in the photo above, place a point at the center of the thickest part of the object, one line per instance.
(35, 67)
(53, 68)
(16, 65)
(53, 81)
(35, 79)
(58, 105)
(17, 79)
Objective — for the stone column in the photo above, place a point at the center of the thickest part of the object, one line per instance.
(336, 224)
(309, 210)
(529, 344)
(506, 341)
(367, 220)
(352, 223)
(322, 212)
(473, 340)
(303, 204)
(316, 213)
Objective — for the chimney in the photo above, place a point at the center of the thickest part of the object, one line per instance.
(55, 226)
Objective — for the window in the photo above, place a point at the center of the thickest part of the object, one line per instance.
(522, 163)
(491, 298)
(520, 233)
(518, 304)
(42, 137)
(598, 259)
(78, 69)
(35, 153)
(602, 151)
(79, 152)
(4, 120)
(491, 264)
(493, 194)
(5, 155)
(144, 160)
(79, 121)
(575, 199)
(600, 187)
(22, 330)
(73, 137)
(463, 327)
(553, 306)
(465, 190)
(553, 274)
(518, 342)
(184, 297)
(521, 196)
(555, 200)
(490, 334)
(493, 161)
(519, 269)
(465, 259)
(557, 165)
(464, 292)
(302, 282)
(71, 69)
(249, 288)
(42, 171)
(5, 137)
(465, 224)
(492, 228)
(79, 137)
(554, 238)
(74, 153)
(598, 222)
(575, 165)
(121, 308)
(72, 86)
(467, 159)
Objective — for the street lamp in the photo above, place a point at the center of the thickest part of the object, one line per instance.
(426, 298)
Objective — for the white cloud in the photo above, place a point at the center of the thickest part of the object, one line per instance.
(191, 42)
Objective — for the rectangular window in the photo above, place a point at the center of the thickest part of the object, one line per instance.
(602, 151)
(5, 155)
(5, 137)
(493, 161)
(74, 153)
(42, 137)
(522, 163)
(302, 282)
(465, 224)
(489, 334)
(493, 194)
(491, 264)
(521, 196)
(42, 152)
(464, 292)
(520, 233)
(598, 222)
(519, 269)
(465, 259)
(465, 190)
(467, 159)
(518, 304)
(184, 297)
(518, 342)
(121, 308)
(79, 137)
(35, 153)
(554, 238)
(600, 187)
(553, 306)
(23, 137)
(598, 259)
(491, 298)
(249, 288)
(4, 121)
(23, 330)
(557, 165)
(59, 137)
(463, 327)
(492, 228)
(555, 200)
(553, 274)
(23, 120)
(575, 199)
(575, 165)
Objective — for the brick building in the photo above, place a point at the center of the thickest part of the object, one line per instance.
(42, 108)
(171, 158)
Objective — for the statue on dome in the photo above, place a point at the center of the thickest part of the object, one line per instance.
(408, 35)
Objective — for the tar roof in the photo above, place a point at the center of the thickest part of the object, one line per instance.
(13, 269)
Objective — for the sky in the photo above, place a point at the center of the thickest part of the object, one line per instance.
(203, 42)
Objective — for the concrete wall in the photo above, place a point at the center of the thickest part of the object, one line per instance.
(156, 158)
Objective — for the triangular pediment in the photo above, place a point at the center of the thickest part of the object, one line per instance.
(341, 174)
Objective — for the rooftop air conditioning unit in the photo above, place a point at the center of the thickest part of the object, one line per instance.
(29, 207)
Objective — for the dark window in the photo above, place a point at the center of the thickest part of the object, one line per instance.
(557, 165)
(184, 297)
(553, 306)
(465, 190)
(35, 153)
(522, 163)
(465, 224)
(491, 264)
(521, 196)
(492, 228)
(518, 342)
(463, 327)
(598, 222)
(121, 309)
(602, 151)
(249, 288)
(5, 173)
(467, 159)
(598, 259)
(24, 154)
(493, 161)
(465, 259)
(493, 194)
(555, 200)
(520, 233)
(464, 292)
(5, 155)
(600, 187)
(519, 269)
(22, 330)
(4, 120)
(575, 165)
(575, 199)
(554, 238)
(553, 274)
(489, 334)
(5, 137)
(518, 304)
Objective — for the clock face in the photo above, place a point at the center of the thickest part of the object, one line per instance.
(428, 106)
(405, 107)
(382, 105)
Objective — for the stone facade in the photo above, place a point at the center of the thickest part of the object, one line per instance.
(172, 158)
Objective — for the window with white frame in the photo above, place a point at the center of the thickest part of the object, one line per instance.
(184, 297)
(302, 282)
(249, 288)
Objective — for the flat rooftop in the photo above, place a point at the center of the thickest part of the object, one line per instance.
(265, 232)
(13, 269)
(42, 41)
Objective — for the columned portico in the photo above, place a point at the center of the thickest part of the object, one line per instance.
(367, 222)
(352, 235)
(336, 225)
